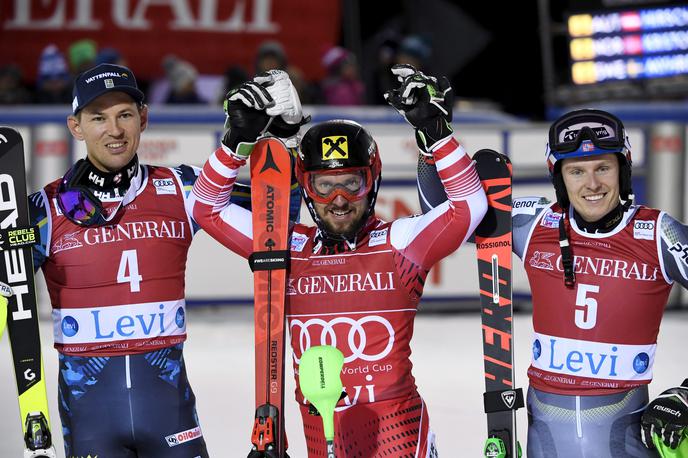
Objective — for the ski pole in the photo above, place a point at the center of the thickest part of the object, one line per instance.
(320, 382)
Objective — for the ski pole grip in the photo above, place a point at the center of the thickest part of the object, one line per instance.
(320, 382)
(503, 400)
(269, 260)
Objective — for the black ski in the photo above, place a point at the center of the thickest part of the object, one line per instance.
(16, 270)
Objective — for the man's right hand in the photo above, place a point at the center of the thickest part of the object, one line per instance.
(247, 118)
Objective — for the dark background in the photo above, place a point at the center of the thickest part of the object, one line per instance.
(493, 51)
(490, 50)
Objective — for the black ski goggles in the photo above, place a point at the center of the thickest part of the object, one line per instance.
(80, 205)
(583, 131)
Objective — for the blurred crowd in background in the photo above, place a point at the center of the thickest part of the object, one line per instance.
(181, 83)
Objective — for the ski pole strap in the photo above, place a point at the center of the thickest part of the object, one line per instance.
(269, 260)
(17, 237)
(503, 400)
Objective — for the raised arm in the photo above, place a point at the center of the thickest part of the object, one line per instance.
(426, 103)
(267, 105)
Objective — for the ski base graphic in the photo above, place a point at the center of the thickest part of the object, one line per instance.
(493, 245)
(16, 272)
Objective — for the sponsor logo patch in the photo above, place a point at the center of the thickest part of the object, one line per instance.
(5, 290)
(588, 146)
(185, 436)
(509, 398)
(644, 230)
(12, 238)
(335, 147)
(524, 206)
(378, 237)
(551, 220)
(67, 242)
(164, 186)
(298, 241)
(541, 260)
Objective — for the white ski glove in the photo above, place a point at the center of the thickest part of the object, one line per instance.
(286, 112)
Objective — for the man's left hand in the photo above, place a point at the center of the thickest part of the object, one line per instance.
(667, 417)
(425, 102)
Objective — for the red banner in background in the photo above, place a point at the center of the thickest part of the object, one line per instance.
(211, 34)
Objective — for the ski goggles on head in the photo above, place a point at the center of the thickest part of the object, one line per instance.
(351, 183)
(586, 131)
(80, 205)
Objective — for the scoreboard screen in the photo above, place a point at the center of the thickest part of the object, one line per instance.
(630, 44)
(613, 50)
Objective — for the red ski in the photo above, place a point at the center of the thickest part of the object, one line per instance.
(270, 192)
(493, 242)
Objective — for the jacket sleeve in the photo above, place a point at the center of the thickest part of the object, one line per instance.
(426, 239)
(210, 205)
(673, 246)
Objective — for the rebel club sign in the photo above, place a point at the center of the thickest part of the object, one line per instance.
(212, 34)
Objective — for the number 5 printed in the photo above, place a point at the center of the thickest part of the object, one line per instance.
(130, 262)
(586, 307)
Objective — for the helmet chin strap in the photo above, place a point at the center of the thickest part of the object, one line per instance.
(603, 225)
(626, 203)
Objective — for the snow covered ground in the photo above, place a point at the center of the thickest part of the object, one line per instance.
(447, 366)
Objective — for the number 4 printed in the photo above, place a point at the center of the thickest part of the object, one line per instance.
(586, 307)
(130, 262)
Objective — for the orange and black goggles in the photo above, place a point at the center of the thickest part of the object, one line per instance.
(323, 186)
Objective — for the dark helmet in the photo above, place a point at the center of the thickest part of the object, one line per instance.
(584, 133)
(336, 147)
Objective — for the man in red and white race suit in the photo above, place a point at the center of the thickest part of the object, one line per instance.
(354, 280)
(600, 271)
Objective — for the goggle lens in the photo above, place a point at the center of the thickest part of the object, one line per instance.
(352, 184)
(77, 207)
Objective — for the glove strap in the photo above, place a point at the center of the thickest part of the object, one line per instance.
(241, 151)
(428, 136)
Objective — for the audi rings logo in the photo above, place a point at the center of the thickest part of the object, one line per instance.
(317, 331)
(644, 225)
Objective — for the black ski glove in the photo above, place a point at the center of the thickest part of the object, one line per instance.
(425, 102)
(246, 117)
(666, 416)
(269, 103)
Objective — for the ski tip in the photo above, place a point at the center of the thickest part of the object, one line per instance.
(274, 142)
(486, 153)
(9, 137)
